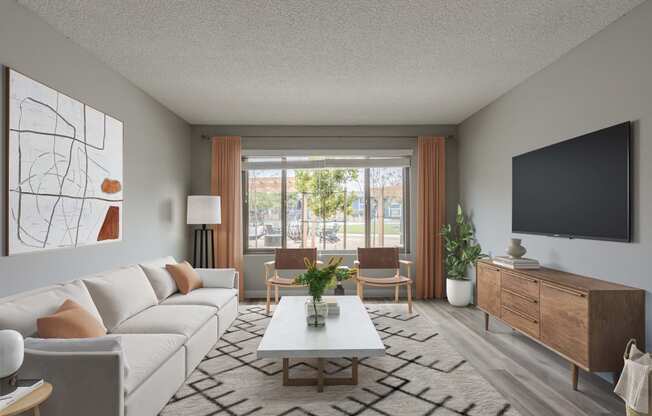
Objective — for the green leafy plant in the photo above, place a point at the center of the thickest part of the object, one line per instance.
(319, 279)
(461, 248)
(344, 273)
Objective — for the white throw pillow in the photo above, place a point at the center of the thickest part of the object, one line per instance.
(160, 279)
(120, 294)
(108, 343)
(20, 312)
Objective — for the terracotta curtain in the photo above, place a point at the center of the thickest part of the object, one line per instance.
(431, 215)
(226, 181)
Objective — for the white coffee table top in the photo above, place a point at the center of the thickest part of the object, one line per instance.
(351, 334)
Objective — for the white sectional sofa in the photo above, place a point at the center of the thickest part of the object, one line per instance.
(161, 337)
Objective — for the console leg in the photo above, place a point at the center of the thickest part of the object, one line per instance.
(486, 321)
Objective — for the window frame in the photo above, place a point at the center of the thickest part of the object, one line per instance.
(405, 249)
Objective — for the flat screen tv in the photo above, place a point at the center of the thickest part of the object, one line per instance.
(578, 188)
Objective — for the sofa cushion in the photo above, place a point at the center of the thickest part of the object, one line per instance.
(71, 320)
(160, 279)
(20, 312)
(216, 297)
(163, 319)
(145, 354)
(120, 294)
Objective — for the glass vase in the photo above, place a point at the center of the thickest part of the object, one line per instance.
(316, 312)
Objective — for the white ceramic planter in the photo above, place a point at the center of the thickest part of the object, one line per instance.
(458, 292)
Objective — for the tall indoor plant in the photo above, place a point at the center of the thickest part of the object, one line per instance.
(461, 251)
(318, 280)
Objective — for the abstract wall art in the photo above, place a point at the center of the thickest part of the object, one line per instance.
(65, 180)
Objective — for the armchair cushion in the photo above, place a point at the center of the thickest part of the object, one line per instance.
(293, 258)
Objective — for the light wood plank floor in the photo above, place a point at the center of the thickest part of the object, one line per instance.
(535, 380)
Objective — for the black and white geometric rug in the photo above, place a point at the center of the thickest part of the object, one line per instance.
(421, 374)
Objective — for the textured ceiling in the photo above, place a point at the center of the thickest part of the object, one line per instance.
(328, 61)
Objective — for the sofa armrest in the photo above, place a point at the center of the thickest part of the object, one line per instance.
(84, 383)
(225, 278)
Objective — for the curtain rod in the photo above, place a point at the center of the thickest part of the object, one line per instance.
(206, 137)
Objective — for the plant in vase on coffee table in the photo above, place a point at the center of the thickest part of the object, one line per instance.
(318, 280)
(461, 251)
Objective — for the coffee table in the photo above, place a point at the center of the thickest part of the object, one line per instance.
(351, 334)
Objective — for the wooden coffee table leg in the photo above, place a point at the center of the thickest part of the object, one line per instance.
(37, 411)
(286, 371)
(354, 371)
(320, 375)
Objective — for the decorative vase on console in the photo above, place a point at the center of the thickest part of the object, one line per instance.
(515, 249)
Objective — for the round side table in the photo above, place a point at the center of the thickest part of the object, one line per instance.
(30, 402)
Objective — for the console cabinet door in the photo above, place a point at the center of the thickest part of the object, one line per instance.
(565, 322)
(488, 287)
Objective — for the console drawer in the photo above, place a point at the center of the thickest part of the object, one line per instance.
(521, 284)
(521, 321)
(520, 303)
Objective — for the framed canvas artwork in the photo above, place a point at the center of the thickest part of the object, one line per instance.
(65, 179)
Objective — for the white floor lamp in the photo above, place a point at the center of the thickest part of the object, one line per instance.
(203, 210)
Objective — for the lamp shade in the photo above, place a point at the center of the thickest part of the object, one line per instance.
(204, 209)
(11, 352)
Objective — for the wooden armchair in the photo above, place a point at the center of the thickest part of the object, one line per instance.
(383, 258)
(285, 259)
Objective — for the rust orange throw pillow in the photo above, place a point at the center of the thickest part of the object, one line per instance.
(185, 277)
(71, 320)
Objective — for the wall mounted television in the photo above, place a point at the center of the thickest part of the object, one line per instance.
(578, 188)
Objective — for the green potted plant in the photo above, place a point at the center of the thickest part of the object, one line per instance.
(318, 280)
(461, 251)
(342, 273)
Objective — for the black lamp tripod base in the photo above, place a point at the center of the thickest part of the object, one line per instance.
(203, 234)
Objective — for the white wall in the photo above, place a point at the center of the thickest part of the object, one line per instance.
(156, 155)
(315, 137)
(604, 81)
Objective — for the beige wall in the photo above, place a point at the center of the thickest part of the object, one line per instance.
(156, 155)
(604, 81)
(300, 137)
